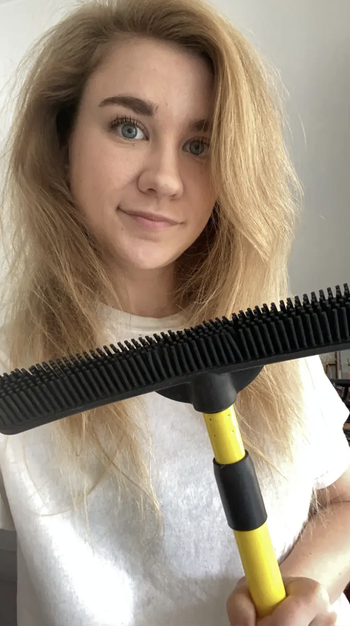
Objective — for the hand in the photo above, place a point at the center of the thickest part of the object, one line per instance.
(307, 604)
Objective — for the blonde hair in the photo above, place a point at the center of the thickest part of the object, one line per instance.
(56, 275)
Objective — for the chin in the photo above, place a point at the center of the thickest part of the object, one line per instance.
(148, 265)
(147, 262)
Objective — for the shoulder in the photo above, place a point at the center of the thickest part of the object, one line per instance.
(324, 417)
(320, 396)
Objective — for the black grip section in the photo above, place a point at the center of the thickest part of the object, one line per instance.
(240, 494)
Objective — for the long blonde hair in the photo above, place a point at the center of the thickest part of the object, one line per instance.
(55, 274)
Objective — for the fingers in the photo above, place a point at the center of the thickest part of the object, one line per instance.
(306, 603)
(294, 613)
(325, 620)
(240, 607)
(289, 613)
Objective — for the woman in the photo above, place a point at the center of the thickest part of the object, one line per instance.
(149, 189)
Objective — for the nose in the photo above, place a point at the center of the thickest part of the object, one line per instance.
(161, 173)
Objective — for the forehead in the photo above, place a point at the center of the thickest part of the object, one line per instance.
(176, 80)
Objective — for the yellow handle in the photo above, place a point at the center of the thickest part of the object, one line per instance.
(261, 568)
(259, 561)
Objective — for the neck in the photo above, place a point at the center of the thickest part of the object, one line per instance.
(147, 293)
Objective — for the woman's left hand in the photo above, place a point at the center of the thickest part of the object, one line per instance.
(307, 604)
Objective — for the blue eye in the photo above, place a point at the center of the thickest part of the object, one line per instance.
(200, 145)
(126, 128)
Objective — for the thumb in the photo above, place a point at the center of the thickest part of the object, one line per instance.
(240, 608)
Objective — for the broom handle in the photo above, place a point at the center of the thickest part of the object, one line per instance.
(245, 511)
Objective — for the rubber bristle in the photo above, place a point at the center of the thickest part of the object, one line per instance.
(75, 383)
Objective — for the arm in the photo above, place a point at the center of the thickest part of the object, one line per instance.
(323, 551)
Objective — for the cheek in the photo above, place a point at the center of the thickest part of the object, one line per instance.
(204, 203)
(99, 175)
(98, 160)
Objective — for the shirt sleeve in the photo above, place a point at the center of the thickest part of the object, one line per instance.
(326, 414)
(6, 521)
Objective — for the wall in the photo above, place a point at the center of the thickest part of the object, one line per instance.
(309, 43)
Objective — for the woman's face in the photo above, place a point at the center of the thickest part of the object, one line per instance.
(139, 167)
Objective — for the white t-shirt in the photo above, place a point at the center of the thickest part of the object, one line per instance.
(110, 575)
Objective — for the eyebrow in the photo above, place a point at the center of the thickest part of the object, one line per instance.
(148, 108)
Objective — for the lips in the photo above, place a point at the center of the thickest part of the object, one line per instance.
(150, 222)
(152, 217)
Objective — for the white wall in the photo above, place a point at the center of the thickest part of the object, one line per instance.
(309, 42)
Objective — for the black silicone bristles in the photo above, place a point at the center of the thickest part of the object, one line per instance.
(75, 383)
